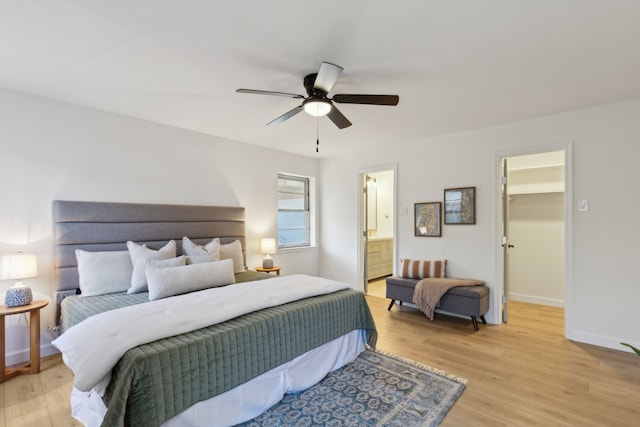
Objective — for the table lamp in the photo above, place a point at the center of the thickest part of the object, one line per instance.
(17, 267)
(268, 247)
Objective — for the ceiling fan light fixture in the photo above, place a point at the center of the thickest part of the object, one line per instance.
(317, 107)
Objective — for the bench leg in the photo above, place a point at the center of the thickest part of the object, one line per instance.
(391, 305)
(474, 320)
(483, 319)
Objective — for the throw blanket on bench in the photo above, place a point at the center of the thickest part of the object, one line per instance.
(428, 292)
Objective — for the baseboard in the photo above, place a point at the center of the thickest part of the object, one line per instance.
(603, 341)
(533, 299)
(23, 355)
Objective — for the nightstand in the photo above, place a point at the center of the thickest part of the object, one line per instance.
(33, 365)
(274, 269)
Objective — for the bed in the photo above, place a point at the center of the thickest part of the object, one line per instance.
(216, 356)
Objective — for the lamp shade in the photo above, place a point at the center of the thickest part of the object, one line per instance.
(18, 266)
(316, 107)
(268, 246)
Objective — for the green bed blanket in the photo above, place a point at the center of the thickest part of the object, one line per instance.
(76, 308)
(156, 381)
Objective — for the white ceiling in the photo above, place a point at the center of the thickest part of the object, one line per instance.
(457, 65)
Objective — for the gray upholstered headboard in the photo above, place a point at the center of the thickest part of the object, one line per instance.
(95, 226)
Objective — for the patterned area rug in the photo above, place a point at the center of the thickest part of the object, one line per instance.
(377, 389)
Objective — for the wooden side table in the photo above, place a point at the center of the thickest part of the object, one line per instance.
(274, 269)
(33, 365)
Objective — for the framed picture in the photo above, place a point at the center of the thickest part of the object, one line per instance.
(460, 205)
(428, 219)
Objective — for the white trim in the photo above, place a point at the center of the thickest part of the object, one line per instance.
(24, 355)
(604, 341)
(534, 299)
(567, 148)
(569, 296)
(312, 209)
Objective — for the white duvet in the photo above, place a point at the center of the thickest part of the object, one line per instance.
(93, 347)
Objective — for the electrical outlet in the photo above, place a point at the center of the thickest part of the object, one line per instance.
(583, 205)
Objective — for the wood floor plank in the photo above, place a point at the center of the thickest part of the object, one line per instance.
(25, 402)
(57, 385)
(524, 373)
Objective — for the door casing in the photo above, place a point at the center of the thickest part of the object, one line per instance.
(496, 299)
(361, 210)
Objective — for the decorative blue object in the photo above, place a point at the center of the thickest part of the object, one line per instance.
(17, 296)
(18, 266)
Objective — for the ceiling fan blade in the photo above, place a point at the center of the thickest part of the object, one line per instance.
(286, 116)
(366, 99)
(268, 92)
(327, 76)
(338, 118)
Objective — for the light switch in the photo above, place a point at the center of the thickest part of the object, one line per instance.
(583, 205)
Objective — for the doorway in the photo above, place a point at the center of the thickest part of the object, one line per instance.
(376, 231)
(535, 229)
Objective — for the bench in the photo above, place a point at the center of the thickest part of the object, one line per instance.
(470, 301)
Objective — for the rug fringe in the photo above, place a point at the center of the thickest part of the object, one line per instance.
(421, 365)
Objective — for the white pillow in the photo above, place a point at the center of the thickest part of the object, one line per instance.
(191, 249)
(159, 263)
(233, 251)
(103, 272)
(166, 282)
(199, 259)
(139, 257)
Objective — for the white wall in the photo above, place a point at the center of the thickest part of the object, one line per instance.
(51, 150)
(605, 271)
(384, 205)
(536, 263)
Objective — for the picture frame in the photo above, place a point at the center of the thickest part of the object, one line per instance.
(428, 219)
(460, 205)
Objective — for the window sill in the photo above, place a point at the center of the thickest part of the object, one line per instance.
(297, 249)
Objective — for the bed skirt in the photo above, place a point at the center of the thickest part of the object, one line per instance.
(250, 399)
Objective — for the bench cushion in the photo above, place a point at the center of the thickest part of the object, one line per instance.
(468, 300)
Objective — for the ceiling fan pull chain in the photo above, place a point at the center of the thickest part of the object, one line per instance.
(317, 135)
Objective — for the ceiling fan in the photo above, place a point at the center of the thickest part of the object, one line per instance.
(318, 103)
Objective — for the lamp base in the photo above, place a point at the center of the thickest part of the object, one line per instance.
(17, 296)
(267, 262)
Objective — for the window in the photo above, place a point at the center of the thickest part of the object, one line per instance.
(294, 212)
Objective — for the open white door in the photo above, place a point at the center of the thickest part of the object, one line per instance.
(365, 235)
(376, 223)
(505, 242)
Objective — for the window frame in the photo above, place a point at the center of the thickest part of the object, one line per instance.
(309, 194)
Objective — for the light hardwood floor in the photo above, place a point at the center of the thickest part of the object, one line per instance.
(520, 374)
